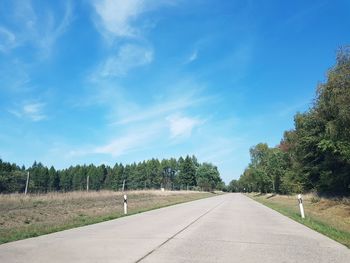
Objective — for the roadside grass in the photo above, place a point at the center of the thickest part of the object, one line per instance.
(330, 217)
(34, 215)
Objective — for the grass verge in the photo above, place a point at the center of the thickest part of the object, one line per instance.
(34, 215)
(330, 217)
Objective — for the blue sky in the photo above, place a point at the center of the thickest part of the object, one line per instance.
(123, 81)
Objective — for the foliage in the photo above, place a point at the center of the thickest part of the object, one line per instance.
(315, 155)
(185, 173)
(208, 177)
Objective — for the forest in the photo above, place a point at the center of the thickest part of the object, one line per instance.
(182, 174)
(315, 155)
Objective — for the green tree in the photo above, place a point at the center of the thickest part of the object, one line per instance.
(65, 180)
(208, 177)
(234, 186)
(315, 155)
(187, 172)
(154, 173)
(54, 180)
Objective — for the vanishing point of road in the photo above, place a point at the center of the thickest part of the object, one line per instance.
(225, 228)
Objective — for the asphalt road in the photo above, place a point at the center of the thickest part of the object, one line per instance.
(227, 228)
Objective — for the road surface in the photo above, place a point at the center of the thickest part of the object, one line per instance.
(226, 228)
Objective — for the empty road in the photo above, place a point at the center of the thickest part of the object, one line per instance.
(226, 228)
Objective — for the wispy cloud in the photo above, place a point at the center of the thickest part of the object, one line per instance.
(55, 29)
(297, 20)
(7, 39)
(217, 149)
(31, 111)
(114, 17)
(181, 126)
(129, 56)
(143, 126)
(131, 140)
(291, 109)
(117, 18)
(127, 143)
(26, 26)
(14, 77)
(174, 103)
(192, 57)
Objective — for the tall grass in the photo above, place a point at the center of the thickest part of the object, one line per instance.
(337, 230)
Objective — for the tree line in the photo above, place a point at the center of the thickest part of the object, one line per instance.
(315, 155)
(175, 174)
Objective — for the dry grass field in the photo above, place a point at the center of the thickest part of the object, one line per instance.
(27, 216)
(329, 216)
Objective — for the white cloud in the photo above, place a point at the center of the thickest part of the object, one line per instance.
(129, 56)
(182, 126)
(120, 19)
(116, 18)
(32, 111)
(141, 127)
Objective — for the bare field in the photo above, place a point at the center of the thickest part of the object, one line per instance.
(27, 216)
(330, 216)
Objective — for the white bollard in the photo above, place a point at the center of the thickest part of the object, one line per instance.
(125, 204)
(301, 206)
